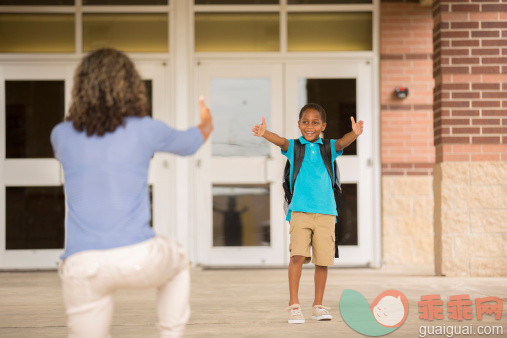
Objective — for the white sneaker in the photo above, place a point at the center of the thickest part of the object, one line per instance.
(295, 314)
(320, 312)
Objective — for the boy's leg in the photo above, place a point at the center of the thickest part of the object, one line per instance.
(295, 268)
(323, 253)
(300, 239)
(320, 279)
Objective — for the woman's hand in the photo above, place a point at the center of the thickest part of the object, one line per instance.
(206, 125)
(357, 128)
(260, 129)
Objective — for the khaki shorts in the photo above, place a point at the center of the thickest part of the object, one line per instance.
(315, 230)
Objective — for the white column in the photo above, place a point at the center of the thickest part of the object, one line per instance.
(184, 109)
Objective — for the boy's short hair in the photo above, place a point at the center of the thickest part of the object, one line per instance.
(315, 106)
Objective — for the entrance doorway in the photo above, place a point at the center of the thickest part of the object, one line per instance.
(240, 219)
(32, 201)
(241, 174)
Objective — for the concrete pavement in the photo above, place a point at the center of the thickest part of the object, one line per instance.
(241, 303)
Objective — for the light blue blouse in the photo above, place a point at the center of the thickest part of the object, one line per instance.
(106, 180)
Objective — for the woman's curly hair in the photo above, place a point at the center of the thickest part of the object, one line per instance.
(107, 88)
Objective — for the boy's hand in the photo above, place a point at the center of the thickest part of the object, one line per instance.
(206, 125)
(260, 129)
(357, 128)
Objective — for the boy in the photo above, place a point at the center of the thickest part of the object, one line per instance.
(312, 211)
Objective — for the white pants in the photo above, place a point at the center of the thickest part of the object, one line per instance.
(90, 278)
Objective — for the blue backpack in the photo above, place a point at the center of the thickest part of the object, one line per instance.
(299, 154)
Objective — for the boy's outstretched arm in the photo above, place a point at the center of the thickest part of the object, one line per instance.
(260, 131)
(347, 139)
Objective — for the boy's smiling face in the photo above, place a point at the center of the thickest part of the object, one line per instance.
(311, 125)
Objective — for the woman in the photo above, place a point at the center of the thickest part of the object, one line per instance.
(105, 146)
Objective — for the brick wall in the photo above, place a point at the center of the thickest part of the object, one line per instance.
(470, 70)
(408, 153)
(406, 60)
(470, 114)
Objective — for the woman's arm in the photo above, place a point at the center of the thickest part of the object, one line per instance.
(345, 141)
(260, 131)
(181, 142)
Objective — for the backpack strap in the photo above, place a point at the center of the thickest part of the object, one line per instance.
(299, 154)
(325, 152)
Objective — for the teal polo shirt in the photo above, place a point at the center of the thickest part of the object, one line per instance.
(312, 191)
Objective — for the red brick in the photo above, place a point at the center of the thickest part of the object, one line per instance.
(466, 95)
(485, 157)
(485, 104)
(456, 51)
(465, 43)
(455, 139)
(466, 61)
(462, 113)
(485, 139)
(483, 122)
(469, 130)
(454, 70)
(492, 86)
(494, 60)
(455, 122)
(457, 104)
(485, 34)
(494, 8)
(418, 56)
(497, 130)
(401, 165)
(499, 42)
(494, 95)
(454, 34)
(465, 24)
(482, 16)
(492, 77)
(494, 148)
(493, 24)
(486, 51)
(466, 148)
(456, 157)
(465, 8)
(490, 112)
(485, 70)
(449, 86)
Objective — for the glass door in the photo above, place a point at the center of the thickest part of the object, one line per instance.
(344, 89)
(34, 98)
(32, 205)
(241, 214)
